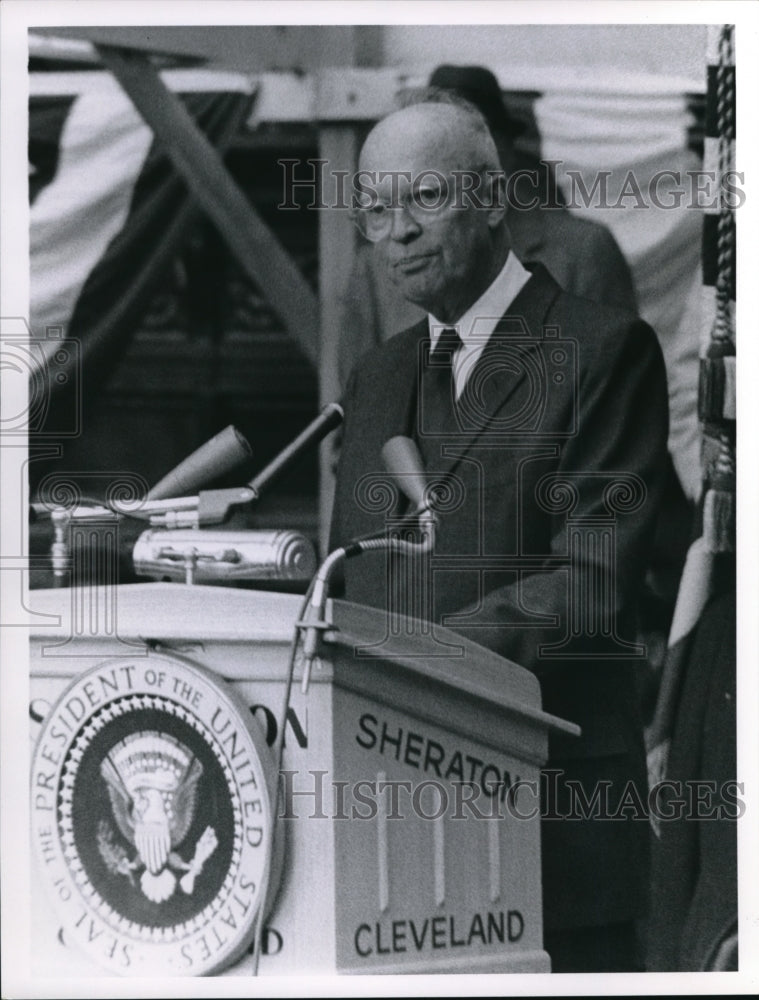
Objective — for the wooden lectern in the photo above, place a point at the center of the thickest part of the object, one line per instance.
(408, 830)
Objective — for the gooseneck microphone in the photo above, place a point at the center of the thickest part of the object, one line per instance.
(223, 453)
(330, 418)
(404, 463)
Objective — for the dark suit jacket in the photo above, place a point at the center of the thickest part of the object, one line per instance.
(581, 255)
(568, 399)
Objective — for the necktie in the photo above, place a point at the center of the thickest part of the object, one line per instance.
(444, 351)
(436, 413)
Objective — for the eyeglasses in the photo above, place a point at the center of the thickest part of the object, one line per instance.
(426, 201)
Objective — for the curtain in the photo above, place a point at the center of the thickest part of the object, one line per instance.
(108, 215)
(634, 148)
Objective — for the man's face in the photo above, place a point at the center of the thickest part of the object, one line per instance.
(440, 260)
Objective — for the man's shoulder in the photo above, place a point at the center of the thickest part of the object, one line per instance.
(387, 358)
(583, 255)
(580, 309)
(408, 338)
(607, 335)
(571, 308)
(602, 328)
(590, 319)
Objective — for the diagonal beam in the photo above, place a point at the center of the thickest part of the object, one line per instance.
(255, 247)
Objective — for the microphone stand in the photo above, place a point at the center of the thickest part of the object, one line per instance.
(315, 621)
(404, 464)
(208, 508)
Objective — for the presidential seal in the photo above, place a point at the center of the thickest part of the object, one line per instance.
(152, 807)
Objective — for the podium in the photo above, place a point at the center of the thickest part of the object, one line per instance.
(406, 832)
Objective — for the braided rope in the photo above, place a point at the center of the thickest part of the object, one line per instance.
(726, 130)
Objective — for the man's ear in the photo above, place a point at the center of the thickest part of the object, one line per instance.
(495, 197)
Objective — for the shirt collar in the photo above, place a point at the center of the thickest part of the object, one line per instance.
(479, 321)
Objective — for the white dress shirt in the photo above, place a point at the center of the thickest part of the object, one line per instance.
(476, 326)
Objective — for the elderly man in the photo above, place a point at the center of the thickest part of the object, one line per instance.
(548, 414)
(581, 255)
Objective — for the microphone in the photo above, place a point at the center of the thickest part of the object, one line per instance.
(330, 418)
(404, 463)
(220, 455)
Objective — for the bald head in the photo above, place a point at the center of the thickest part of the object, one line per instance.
(435, 214)
(449, 136)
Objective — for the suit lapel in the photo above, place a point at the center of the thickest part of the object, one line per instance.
(398, 366)
(381, 404)
(400, 369)
(502, 369)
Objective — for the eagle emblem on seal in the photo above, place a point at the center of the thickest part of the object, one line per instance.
(152, 780)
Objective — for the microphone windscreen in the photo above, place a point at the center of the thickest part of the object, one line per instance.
(223, 453)
(403, 462)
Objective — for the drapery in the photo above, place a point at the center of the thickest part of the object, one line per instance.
(108, 213)
(622, 159)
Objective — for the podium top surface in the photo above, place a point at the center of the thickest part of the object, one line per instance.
(170, 611)
(173, 613)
